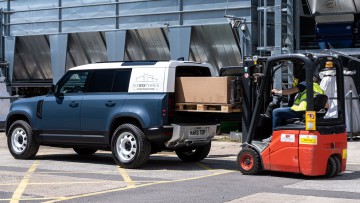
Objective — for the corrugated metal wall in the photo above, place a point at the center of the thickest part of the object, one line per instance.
(40, 17)
(147, 24)
(147, 44)
(85, 48)
(215, 44)
(32, 58)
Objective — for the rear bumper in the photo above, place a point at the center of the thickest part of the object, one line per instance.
(187, 135)
(182, 135)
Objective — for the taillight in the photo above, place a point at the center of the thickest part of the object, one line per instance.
(168, 109)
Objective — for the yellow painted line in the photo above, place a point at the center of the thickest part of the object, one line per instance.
(133, 187)
(61, 183)
(201, 165)
(126, 177)
(80, 172)
(34, 199)
(24, 182)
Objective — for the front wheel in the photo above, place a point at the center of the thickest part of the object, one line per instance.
(248, 162)
(21, 141)
(194, 155)
(130, 147)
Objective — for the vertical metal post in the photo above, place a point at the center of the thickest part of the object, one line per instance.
(115, 45)
(2, 35)
(7, 31)
(58, 50)
(117, 20)
(278, 40)
(260, 30)
(181, 8)
(297, 24)
(278, 27)
(9, 55)
(60, 16)
(349, 98)
(265, 24)
(290, 26)
(179, 39)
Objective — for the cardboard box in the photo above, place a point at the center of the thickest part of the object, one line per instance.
(215, 90)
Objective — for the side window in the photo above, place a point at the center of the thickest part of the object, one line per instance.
(121, 80)
(101, 81)
(73, 83)
(192, 71)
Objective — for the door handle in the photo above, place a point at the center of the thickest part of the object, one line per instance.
(110, 104)
(74, 104)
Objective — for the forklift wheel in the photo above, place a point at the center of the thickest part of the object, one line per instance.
(248, 161)
(338, 164)
(332, 167)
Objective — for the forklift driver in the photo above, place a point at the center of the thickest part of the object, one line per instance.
(299, 106)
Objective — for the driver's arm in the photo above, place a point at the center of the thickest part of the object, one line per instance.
(286, 91)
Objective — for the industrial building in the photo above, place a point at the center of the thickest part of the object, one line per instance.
(44, 38)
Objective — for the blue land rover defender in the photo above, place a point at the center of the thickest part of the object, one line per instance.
(125, 107)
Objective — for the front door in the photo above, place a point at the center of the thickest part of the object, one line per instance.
(61, 111)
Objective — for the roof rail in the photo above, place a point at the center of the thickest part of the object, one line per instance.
(131, 61)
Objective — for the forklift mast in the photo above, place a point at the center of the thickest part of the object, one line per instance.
(250, 82)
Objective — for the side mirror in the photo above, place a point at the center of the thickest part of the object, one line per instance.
(53, 90)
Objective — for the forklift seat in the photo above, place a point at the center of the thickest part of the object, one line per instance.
(320, 101)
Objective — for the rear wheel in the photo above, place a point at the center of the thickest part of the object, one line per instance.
(130, 147)
(248, 161)
(84, 151)
(331, 169)
(338, 164)
(21, 142)
(195, 154)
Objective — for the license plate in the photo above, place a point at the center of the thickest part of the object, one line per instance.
(199, 132)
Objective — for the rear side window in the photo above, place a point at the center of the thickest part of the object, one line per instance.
(101, 81)
(121, 80)
(192, 71)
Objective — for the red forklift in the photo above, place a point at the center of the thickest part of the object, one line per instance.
(315, 145)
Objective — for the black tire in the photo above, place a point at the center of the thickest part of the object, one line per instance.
(331, 168)
(84, 151)
(248, 161)
(130, 147)
(21, 142)
(338, 164)
(194, 154)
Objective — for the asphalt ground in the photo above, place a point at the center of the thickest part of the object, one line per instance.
(60, 175)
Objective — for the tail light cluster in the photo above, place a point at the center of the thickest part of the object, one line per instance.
(168, 109)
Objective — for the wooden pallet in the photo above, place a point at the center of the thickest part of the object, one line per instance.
(220, 108)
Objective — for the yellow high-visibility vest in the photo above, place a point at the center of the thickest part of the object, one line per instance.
(300, 103)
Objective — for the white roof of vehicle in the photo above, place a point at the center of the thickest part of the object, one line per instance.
(138, 64)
